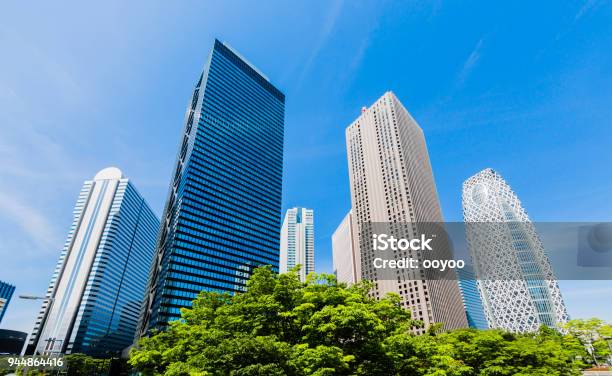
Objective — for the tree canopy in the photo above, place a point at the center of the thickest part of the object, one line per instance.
(281, 326)
(594, 335)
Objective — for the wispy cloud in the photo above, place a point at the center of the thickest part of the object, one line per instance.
(33, 147)
(357, 58)
(28, 153)
(587, 7)
(456, 85)
(470, 62)
(7, 93)
(31, 221)
(32, 63)
(326, 31)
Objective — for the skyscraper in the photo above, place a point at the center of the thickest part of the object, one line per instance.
(222, 215)
(471, 299)
(12, 341)
(6, 292)
(516, 282)
(343, 250)
(392, 182)
(297, 241)
(94, 298)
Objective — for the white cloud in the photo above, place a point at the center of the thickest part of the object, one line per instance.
(32, 222)
(27, 153)
(29, 63)
(586, 7)
(470, 62)
(324, 34)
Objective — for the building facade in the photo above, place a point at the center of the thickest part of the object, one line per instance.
(94, 298)
(222, 215)
(391, 181)
(471, 299)
(12, 341)
(516, 282)
(343, 251)
(6, 293)
(297, 241)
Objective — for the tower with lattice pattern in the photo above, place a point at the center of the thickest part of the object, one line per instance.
(515, 279)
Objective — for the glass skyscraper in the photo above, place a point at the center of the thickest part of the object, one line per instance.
(297, 241)
(471, 299)
(222, 214)
(6, 292)
(517, 285)
(93, 302)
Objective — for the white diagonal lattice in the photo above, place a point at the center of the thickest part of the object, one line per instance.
(518, 287)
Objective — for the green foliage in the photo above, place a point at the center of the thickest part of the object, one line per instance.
(594, 335)
(81, 364)
(282, 326)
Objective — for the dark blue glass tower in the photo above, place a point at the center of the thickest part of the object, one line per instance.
(222, 215)
(6, 292)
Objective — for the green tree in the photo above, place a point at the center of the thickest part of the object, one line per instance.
(594, 335)
(282, 326)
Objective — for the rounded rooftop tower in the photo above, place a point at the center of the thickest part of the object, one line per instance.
(109, 173)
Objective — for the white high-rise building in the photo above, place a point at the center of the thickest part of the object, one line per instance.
(343, 249)
(516, 282)
(94, 298)
(392, 182)
(297, 241)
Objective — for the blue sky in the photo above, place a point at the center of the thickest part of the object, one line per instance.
(524, 88)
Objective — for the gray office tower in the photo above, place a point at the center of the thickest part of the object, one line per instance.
(392, 182)
(93, 302)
